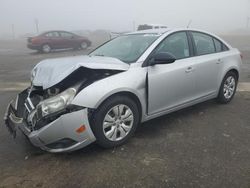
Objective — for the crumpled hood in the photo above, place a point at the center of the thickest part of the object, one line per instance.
(51, 71)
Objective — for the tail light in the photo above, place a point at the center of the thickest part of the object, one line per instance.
(33, 40)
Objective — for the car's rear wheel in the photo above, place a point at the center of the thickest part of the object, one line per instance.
(46, 48)
(115, 121)
(84, 45)
(228, 88)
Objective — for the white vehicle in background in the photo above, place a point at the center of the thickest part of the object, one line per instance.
(150, 26)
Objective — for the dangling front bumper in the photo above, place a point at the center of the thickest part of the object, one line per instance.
(59, 135)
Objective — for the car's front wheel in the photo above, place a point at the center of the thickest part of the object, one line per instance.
(228, 88)
(115, 121)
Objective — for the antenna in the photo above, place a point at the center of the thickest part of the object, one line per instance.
(189, 23)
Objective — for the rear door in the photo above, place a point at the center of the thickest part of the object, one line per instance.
(68, 39)
(208, 62)
(171, 85)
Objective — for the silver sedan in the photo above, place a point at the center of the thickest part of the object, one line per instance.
(133, 78)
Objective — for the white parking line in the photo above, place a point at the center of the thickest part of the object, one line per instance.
(13, 86)
(5, 50)
(243, 86)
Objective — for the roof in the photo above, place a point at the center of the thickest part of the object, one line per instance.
(49, 31)
(165, 30)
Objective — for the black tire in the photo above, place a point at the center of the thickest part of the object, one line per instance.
(98, 116)
(48, 48)
(221, 97)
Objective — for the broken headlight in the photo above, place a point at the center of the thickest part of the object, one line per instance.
(56, 103)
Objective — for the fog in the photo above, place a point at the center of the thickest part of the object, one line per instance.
(19, 16)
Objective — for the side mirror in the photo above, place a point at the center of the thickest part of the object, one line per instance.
(162, 58)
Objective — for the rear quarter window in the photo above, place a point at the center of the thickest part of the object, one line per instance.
(224, 47)
(219, 46)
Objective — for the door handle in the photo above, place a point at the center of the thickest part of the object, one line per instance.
(219, 61)
(189, 69)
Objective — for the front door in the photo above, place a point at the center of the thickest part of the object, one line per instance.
(171, 85)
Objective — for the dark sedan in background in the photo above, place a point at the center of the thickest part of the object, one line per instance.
(51, 40)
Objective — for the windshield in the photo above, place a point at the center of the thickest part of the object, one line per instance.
(127, 48)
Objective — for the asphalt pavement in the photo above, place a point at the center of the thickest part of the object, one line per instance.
(206, 145)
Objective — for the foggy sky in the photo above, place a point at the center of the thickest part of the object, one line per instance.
(119, 15)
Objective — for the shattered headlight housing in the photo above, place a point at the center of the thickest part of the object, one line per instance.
(56, 103)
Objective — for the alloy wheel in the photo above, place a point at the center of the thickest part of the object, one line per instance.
(118, 122)
(229, 87)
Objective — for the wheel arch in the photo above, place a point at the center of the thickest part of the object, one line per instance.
(231, 69)
(234, 71)
(129, 94)
(224, 73)
(220, 98)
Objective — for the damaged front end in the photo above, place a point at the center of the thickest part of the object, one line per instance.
(47, 117)
(17, 112)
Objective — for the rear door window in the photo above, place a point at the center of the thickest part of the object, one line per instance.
(66, 35)
(203, 43)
